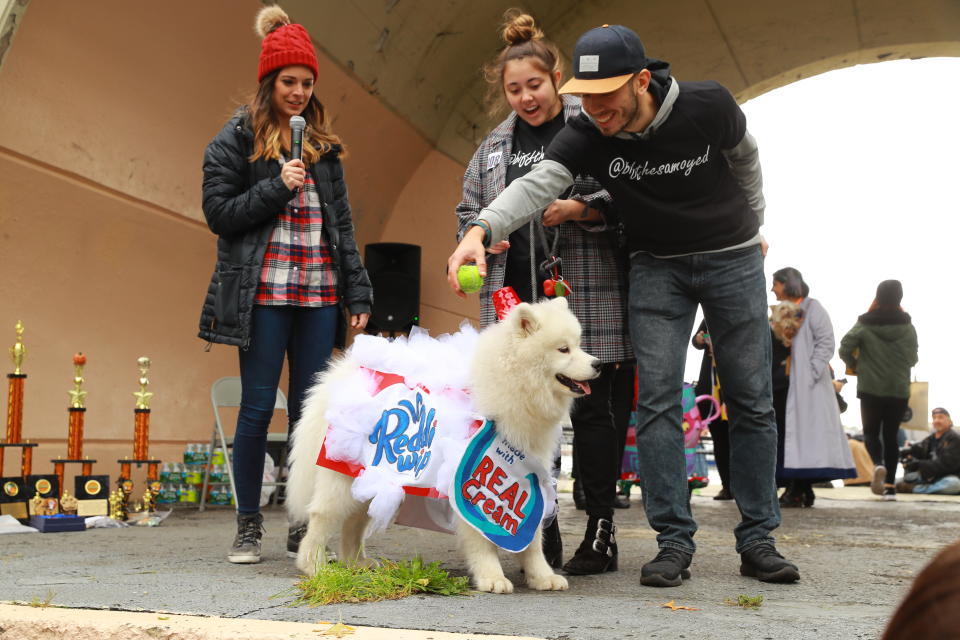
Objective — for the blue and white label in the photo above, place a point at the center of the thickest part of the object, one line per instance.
(500, 491)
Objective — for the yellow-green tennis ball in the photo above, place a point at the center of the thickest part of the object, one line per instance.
(469, 278)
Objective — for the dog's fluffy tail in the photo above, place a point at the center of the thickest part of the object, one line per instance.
(307, 437)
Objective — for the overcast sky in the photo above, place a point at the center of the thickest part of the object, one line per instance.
(861, 169)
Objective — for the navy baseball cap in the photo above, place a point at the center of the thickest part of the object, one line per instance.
(604, 59)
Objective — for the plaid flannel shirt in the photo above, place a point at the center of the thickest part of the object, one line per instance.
(298, 269)
(592, 261)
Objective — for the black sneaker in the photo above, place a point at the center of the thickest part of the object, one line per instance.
(764, 563)
(246, 546)
(889, 494)
(668, 569)
(294, 535)
(724, 494)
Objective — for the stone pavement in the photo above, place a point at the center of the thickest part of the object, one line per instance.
(857, 557)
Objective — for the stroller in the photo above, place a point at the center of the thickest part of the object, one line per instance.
(693, 427)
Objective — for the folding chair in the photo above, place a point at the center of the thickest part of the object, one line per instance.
(226, 392)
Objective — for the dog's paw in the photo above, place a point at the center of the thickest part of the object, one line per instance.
(497, 584)
(308, 568)
(550, 582)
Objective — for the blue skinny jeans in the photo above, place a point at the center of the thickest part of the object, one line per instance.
(305, 335)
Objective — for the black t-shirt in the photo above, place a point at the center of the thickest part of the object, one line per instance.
(528, 148)
(674, 190)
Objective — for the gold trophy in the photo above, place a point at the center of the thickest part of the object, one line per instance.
(75, 414)
(15, 489)
(141, 435)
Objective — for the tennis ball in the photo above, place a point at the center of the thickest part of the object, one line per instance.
(469, 278)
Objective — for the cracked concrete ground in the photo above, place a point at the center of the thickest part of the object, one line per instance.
(857, 559)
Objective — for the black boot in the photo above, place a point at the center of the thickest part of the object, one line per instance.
(579, 497)
(553, 545)
(598, 551)
(791, 498)
(808, 496)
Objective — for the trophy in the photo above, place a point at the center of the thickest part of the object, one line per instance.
(76, 413)
(14, 490)
(141, 436)
(68, 504)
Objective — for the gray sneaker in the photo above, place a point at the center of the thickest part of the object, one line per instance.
(879, 477)
(246, 546)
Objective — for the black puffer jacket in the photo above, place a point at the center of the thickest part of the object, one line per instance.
(241, 201)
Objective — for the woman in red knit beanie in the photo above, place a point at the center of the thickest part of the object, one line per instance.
(288, 271)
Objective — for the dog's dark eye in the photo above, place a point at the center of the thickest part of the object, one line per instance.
(564, 349)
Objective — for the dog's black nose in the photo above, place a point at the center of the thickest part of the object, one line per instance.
(597, 365)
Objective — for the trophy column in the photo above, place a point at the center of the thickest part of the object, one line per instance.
(16, 490)
(76, 414)
(141, 438)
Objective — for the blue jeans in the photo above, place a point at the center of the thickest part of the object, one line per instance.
(305, 335)
(947, 485)
(664, 294)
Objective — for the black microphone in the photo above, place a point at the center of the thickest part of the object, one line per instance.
(297, 125)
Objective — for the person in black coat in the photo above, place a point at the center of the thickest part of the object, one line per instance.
(287, 261)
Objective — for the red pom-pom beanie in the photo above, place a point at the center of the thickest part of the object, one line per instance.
(284, 44)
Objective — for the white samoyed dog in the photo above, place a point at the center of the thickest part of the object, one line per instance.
(525, 374)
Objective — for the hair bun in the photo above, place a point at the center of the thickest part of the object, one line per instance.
(520, 27)
(269, 18)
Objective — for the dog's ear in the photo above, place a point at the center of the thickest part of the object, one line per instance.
(524, 320)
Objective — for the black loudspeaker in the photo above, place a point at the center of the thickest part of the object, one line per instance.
(394, 269)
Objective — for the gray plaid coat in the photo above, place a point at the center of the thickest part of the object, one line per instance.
(593, 263)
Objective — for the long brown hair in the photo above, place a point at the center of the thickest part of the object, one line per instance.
(523, 40)
(318, 138)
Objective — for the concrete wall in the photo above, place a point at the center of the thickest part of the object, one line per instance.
(105, 111)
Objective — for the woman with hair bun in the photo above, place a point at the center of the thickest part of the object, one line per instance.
(813, 444)
(579, 228)
(287, 263)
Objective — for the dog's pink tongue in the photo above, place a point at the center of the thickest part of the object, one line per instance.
(584, 386)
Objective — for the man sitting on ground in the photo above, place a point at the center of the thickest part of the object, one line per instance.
(933, 465)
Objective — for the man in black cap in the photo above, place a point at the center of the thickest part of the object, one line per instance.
(933, 465)
(685, 179)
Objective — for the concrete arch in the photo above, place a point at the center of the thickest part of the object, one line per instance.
(105, 110)
(424, 64)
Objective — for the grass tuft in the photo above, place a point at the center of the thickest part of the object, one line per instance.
(37, 602)
(390, 580)
(746, 602)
